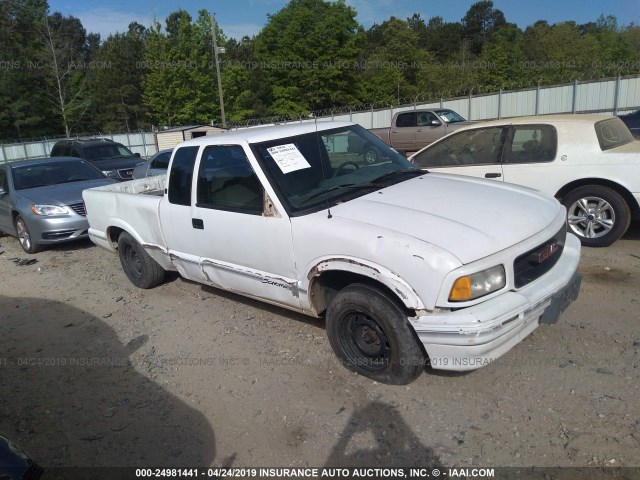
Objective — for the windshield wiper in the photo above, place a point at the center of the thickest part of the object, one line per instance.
(349, 186)
(404, 171)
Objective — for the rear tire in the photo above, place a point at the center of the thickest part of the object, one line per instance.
(369, 332)
(24, 236)
(597, 215)
(142, 270)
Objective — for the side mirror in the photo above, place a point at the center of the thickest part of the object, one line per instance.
(435, 123)
(2, 191)
(136, 155)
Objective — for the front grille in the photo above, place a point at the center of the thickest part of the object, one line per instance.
(536, 262)
(78, 208)
(126, 173)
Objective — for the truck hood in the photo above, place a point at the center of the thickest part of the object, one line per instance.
(470, 218)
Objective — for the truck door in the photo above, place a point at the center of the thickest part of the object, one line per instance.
(241, 246)
(403, 134)
(430, 129)
(175, 214)
(477, 153)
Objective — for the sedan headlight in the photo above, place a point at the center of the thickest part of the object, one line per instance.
(47, 210)
(478, 284)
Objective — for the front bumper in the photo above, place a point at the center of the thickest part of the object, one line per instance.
(473, 337)
(50, 230)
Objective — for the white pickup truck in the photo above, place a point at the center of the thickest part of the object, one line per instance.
(408, 268)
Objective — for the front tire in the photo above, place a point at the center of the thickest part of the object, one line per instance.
(24, 236)
(142, 270)
(597, 215)
(371, 335)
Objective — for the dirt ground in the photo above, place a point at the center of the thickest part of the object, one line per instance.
(95, 372)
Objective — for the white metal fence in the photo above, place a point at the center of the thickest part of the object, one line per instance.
(142, 143)
(609, 95)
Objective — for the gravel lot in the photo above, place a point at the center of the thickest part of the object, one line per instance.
(95, 372)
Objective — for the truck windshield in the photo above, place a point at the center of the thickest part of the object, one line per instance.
(449, 116)
(326, 167)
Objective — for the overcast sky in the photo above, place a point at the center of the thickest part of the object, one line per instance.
(247, 17)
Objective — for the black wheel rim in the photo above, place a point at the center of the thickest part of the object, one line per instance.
(366, 344)
(133, 260)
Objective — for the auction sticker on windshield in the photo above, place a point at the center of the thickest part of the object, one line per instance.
(288, 158)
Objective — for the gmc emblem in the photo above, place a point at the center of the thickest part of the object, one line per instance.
(547, 252)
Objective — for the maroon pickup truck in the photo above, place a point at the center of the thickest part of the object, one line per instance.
(412, 130)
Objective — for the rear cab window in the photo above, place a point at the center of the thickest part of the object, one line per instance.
(612, 133)
(181, 175)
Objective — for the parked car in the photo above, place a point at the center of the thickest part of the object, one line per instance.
(112, 158)
(590, 163)
(401, 263)
(41, 200)
(156, 165)
(412, 130)
(632, 121)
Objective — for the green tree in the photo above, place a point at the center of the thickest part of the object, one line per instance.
(246, 94)
(503, 61)
(394, 61)
(179, 85)
(116, 82)
(442, 39)
(310, 49)
(559, 53)
(21, 112)
(63, 55)
(479, 23)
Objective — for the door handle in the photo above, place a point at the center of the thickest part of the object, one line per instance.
(197, 223)
(492, 175)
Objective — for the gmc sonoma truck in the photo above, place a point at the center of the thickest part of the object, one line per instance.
(408, 268)
(412, 130)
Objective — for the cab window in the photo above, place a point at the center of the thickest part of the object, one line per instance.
(181, 175)
(226, 181)
(407, 120)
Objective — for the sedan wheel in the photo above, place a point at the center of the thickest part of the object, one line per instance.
(24, 236)
(597, 215)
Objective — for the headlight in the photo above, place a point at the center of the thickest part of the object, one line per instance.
(478, 284)
(50, 210)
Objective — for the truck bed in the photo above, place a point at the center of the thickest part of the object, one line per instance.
(132, 206)
(147, 186)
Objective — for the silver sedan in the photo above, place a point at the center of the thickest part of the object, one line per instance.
(41, 200)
